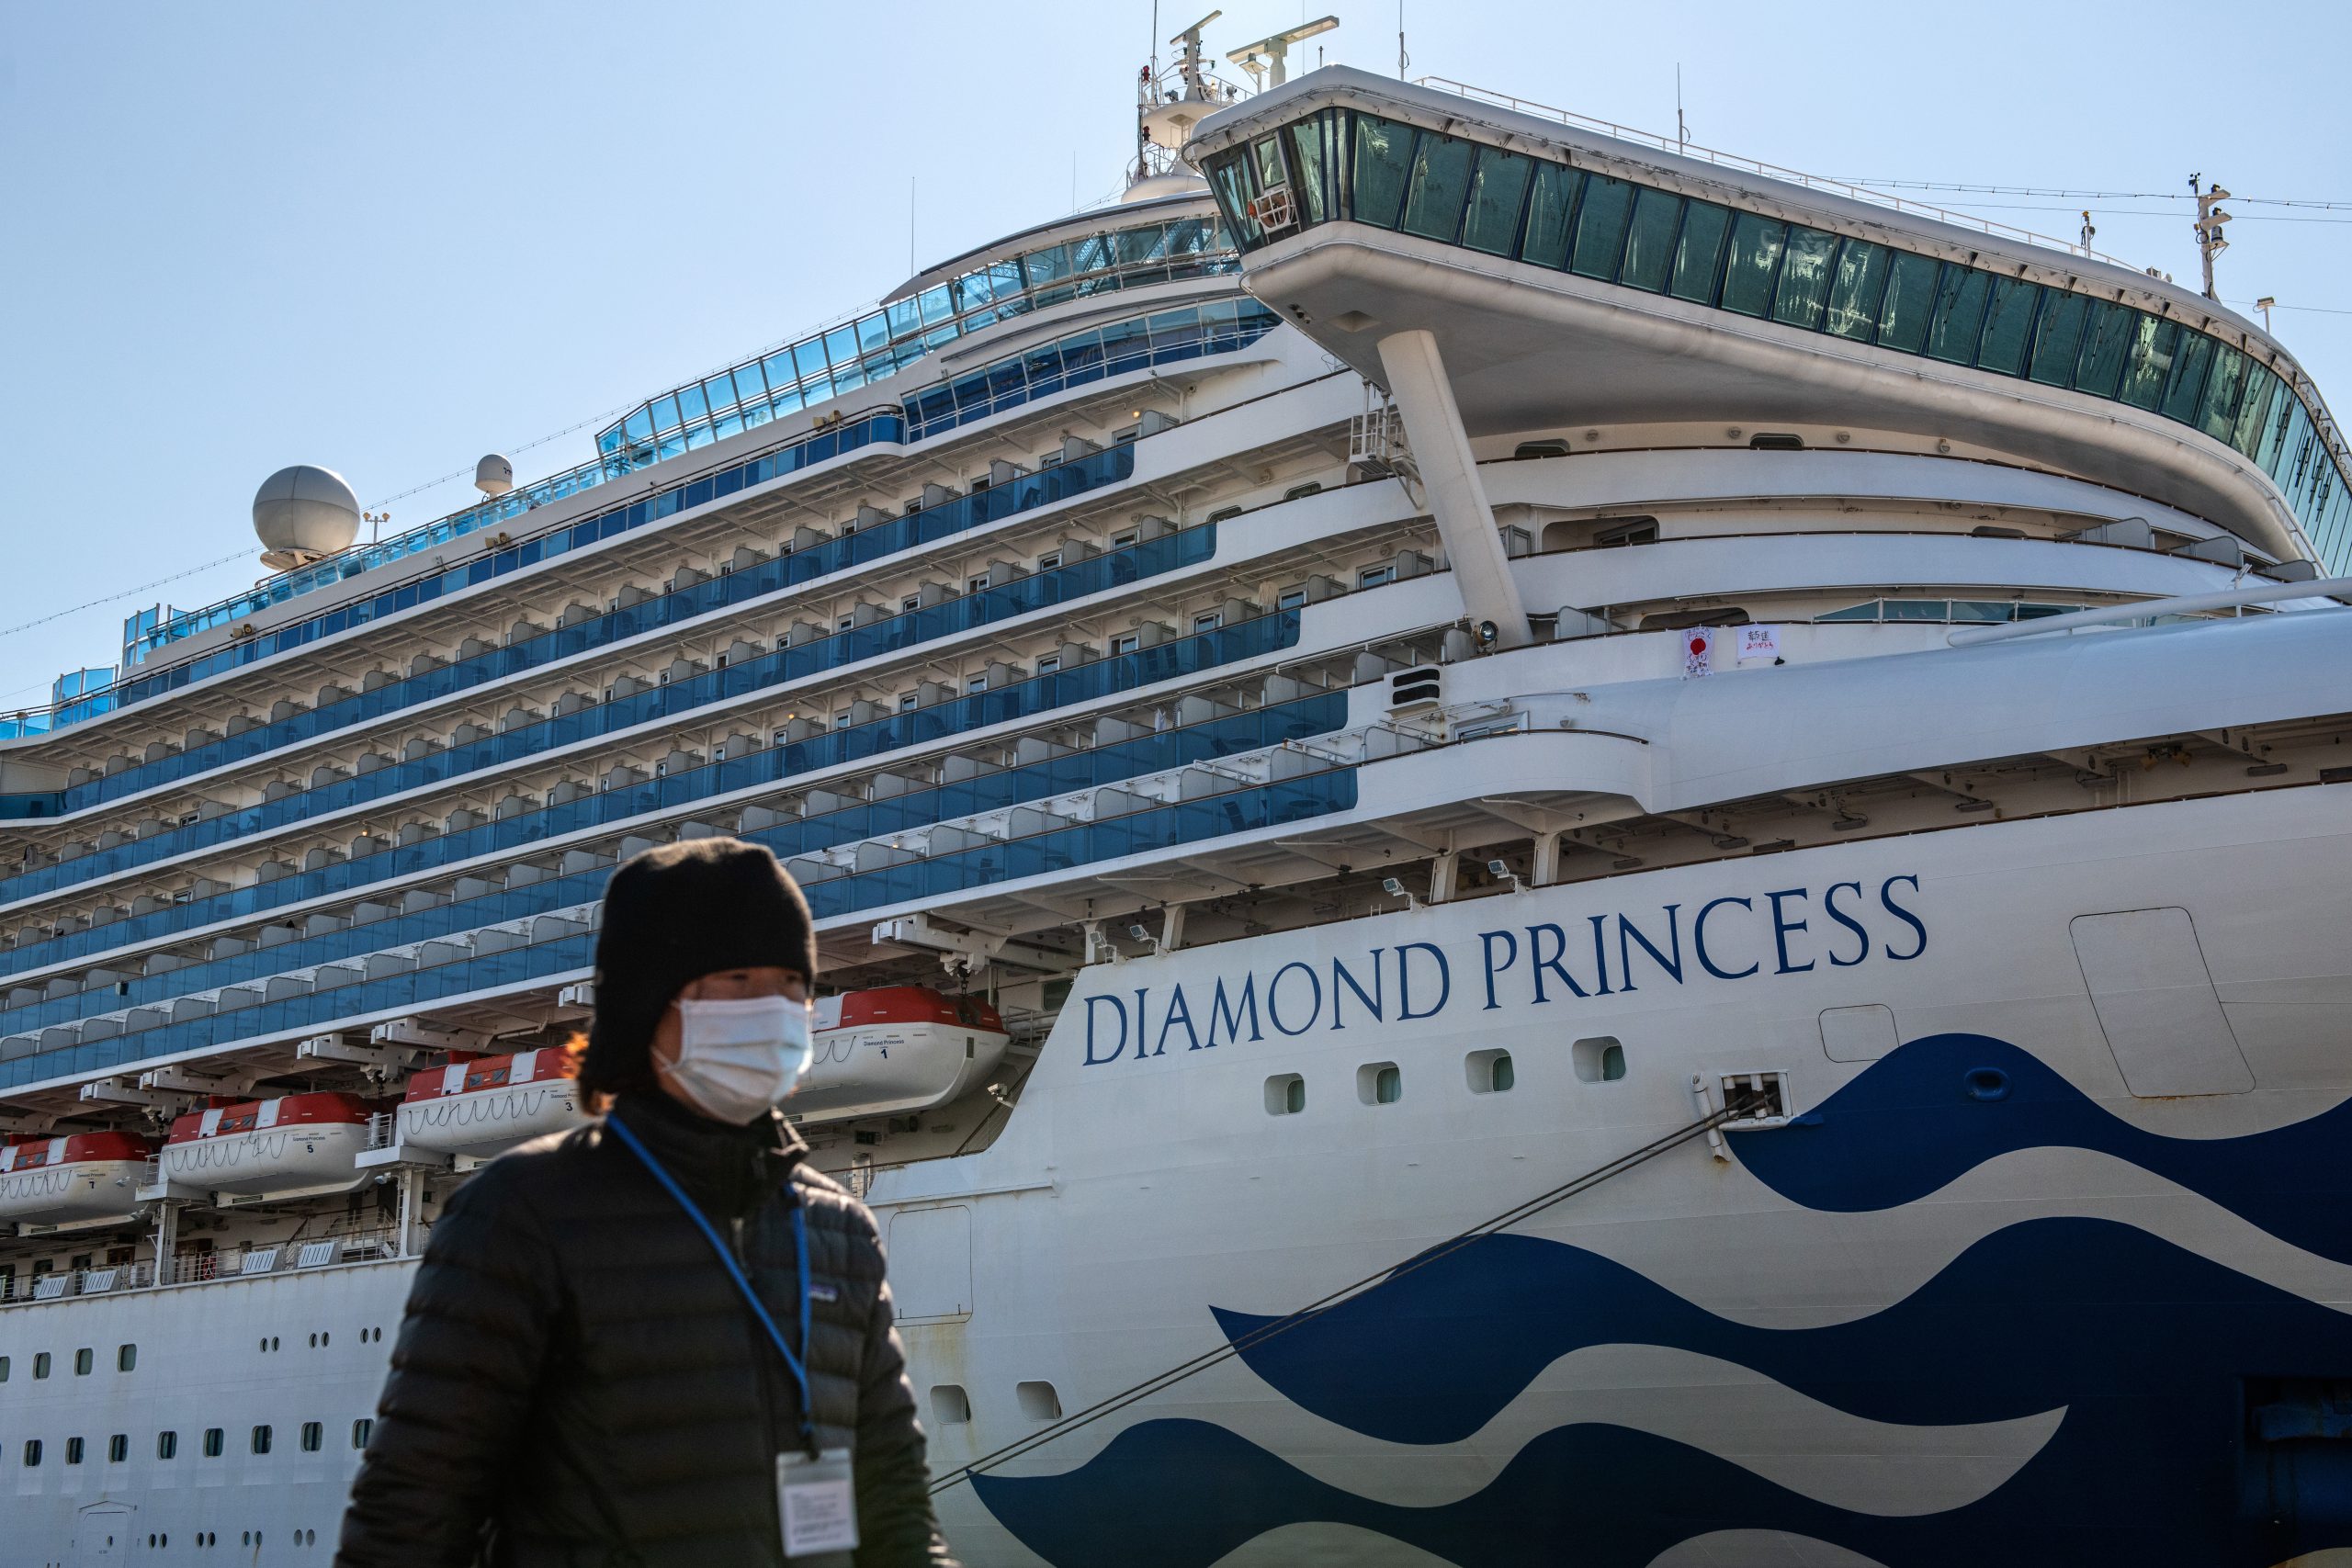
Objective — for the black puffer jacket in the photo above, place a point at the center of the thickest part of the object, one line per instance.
(577, 1374)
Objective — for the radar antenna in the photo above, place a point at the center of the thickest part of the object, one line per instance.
(1268, 60)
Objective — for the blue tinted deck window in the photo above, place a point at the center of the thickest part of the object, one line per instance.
(1756, 243)
(1548, 211)
(1440, 184)
(2216, 413)
(1910, 300)
(1854, 292)
(2058, 337)
(2186, 387)
(1496, 193)
(1649, 240)
(1311, 161)
(2106, 347)
(1960, 314)
(1383, 159)
(1698, 254)
(2150, 366)
(1601, 227)
(2009, 325)
(1804, 278)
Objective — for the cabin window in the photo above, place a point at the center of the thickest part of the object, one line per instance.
(1049, 664)
(1380, 1083)
(1285, 1094)
(1049, 560)
(1600, 1059)
(72, 1450)
(41, 1364)
(126, 1358)
(361, 1430)
(261, 1439)
(118, 1447)
(1489, 1072)
(3, 1368)
(215, 1441)
(315, 1436)
(167, 1445)
(84, 1359)
(1039, 1400)
(950, 1406)
(1126, 642)
(32, 1450)
(1207, 622)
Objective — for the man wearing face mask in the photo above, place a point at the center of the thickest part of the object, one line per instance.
(660, 1340)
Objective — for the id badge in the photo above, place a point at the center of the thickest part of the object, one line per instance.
(818, 1502)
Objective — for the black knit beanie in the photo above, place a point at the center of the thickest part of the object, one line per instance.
(673, 914)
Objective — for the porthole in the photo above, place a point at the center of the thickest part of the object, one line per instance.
(313, 1437)
(216, 1439)
(950, 1406)
(314, 1339)
(126, 1358)
(40, 1363)
(85, 1362)
(326, 1335)
(167, 1445)
(1489, 1072)
(118, 1447)
(32, 1450)
(261, 1439)
(273, 1341)
(1380, 1083)
(1600, 1059)
(1285, 1094)
(361, 1431)
(72, 1450)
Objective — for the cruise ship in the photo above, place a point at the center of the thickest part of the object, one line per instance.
(1531, 845)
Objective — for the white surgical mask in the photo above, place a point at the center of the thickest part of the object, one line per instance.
(737, 1059)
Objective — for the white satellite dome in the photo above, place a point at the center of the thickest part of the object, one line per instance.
(494, 475)
(304, 514)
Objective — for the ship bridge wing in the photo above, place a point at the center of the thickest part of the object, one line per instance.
(1571, 278)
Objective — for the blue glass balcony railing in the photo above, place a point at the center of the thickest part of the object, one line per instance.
(1061, 850)
(675, 699)
(1251, 731)
(1045, 488)
(1025, 699)
(1217, 327)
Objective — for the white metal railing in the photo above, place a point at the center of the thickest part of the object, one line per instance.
(2148, 609)
(1770, 170)
(375, 1244)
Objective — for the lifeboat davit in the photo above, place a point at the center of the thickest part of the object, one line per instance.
(895, 1049)
(68, 1180)
(487, 1106)
(297, 1143)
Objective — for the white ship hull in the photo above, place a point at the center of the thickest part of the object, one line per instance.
(1893, 1342)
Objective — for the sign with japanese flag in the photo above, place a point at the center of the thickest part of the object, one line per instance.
(1698, 652)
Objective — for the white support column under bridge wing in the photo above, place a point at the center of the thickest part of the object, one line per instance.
(1449, 473)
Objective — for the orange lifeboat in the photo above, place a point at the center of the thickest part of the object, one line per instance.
(293, 1144)
(487, 1106)
(68, 1180)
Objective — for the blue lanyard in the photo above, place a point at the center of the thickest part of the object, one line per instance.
(726, 1259)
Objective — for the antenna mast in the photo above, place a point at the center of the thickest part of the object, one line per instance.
(2209, 219)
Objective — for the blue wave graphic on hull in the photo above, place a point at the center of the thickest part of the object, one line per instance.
(1942, 1105)
(2145, 1343)
(1183, 1494)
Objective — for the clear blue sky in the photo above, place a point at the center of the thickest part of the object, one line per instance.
(387, 239)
